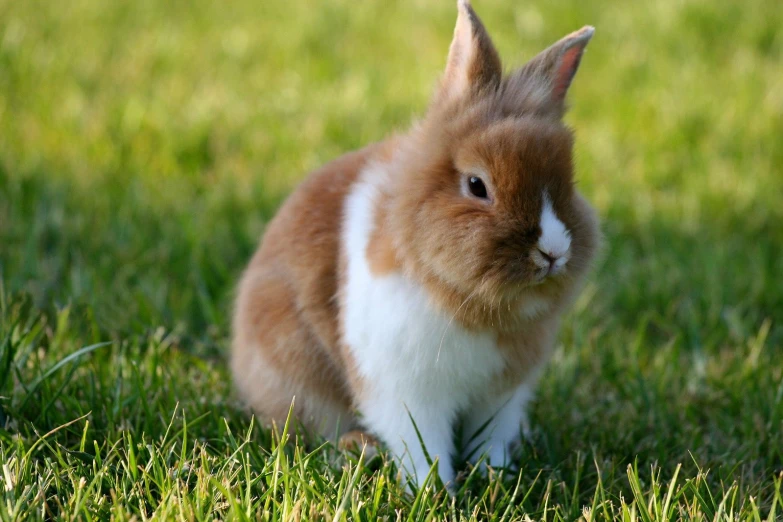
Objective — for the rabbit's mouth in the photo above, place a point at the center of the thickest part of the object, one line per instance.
(539, 277)
(522, 282)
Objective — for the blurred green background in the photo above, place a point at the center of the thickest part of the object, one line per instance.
(144, 144)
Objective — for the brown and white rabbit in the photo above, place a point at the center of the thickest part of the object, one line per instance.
(422, 279)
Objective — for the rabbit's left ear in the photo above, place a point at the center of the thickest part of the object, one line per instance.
(473, 62)
(549, 74)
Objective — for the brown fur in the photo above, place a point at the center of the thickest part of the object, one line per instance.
(286, 312)
(380, 249)
(472, 256)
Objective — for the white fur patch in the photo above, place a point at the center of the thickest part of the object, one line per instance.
(414, 359)
(555, 239)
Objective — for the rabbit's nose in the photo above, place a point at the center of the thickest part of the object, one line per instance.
(554, 260)
(549, 257)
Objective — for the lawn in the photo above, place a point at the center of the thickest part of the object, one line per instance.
(143, 145)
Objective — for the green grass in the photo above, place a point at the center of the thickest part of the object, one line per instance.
(143, 145)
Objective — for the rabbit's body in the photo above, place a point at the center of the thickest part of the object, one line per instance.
(438, 367)
(420, 281)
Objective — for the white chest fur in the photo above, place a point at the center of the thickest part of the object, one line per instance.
(404, 348)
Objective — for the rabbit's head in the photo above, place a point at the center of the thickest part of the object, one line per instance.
(486, 204)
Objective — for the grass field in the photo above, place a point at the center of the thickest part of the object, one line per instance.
(143, 145)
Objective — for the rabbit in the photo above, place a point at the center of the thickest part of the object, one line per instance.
(416, 285)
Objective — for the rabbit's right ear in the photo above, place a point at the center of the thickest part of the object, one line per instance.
(473, 62)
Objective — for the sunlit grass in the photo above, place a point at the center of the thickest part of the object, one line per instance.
(143, 146)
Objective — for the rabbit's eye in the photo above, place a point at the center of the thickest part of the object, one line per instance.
(477, 187)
